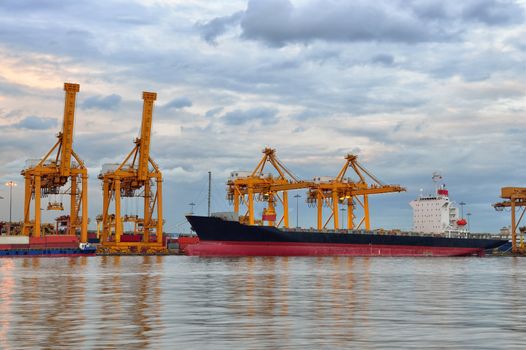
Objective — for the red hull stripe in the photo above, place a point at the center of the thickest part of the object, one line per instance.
(236, 248)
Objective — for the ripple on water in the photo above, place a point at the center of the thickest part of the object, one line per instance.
(327, 303)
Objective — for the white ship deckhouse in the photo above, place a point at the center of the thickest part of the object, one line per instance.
(436, 213)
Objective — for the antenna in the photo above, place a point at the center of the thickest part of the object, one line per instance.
(437, 177)
(209, 190)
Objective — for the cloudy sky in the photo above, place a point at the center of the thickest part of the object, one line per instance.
(410, 86)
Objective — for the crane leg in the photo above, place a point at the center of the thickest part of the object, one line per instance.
(73, 207)
(36, 228)
(366, 212)
(27, 206)
(513, 228)
(159, 211)
(250, 206)
(147, 214)
(105, 207)
(118, 222)
(285, 209)
(84, 227)
(319, 202)
(335, 209)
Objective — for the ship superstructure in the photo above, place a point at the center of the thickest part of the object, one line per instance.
(436, 213)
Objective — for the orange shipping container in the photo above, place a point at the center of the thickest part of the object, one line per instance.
(37, 240)
(61, 239)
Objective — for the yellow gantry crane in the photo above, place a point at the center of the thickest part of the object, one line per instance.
(48, 175)
(331, 192)
(246, 187)
(515, 199)
(136, 176)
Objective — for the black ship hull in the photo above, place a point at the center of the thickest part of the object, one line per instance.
(218, 237)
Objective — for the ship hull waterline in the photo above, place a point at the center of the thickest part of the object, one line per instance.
(48, 253)
(229, 238)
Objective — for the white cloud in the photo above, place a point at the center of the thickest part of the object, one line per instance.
(36, 123)
(429, 85)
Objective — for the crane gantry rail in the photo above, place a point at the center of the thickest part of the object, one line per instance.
(331, 192)
(137, 176)
(48, 175)
(515, 199)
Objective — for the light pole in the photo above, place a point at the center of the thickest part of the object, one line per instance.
(10, 184)
(462, 204)
(297, 196)
(469, 220)
(342, 210)
(192, 208)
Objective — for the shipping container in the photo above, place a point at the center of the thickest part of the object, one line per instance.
(14, 240)
(188, 240)
(131, 238)
(61, 239)
(37, 240)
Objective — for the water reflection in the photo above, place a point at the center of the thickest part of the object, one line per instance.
(187, 302)
(272, 296)
(64, 311)
(7, 289)
(130, 302)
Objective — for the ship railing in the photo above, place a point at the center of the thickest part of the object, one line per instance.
(461, 235)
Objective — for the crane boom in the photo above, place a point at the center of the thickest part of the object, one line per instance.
(376, 190)
(67, 128)
(278, 187)
(146, 131)
(515, 199)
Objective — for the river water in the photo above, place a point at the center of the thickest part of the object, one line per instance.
(177, 302)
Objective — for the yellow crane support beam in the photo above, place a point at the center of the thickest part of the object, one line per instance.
(515, 199)
(341, 190)
(137, 176)
(146, 131)
(257, 185)
(49, 174)
(67, 128)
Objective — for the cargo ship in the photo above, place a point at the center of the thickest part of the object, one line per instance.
(47, 246)
(222, 237)
(438, 230)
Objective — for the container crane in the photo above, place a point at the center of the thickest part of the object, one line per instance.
(330, 192)
(515, 199)
(48, 175)
(246, 187)
(137, 176)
